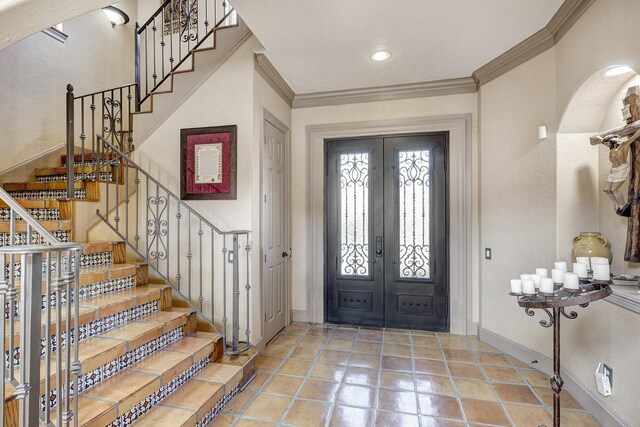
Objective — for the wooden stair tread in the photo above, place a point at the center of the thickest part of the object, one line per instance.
(195, 395)
(36, 203)
(21, 226)
(165, 364)
(38, 185)
(241, 359)
(167, 416)
(62, 170)
(218, 373)
(197, 347)
(126, 389)
(92, 412)
(146, 328)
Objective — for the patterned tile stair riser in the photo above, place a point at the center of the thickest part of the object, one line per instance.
(79, 193)
(103, 176)
(165, 391)
(88, 291)
(44, 214)
(218, 407)
(92, 329)
(123, 362)
(86, 260)
(21, 238)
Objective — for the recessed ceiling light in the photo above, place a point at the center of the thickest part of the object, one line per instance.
(380, 55)
(617, 70)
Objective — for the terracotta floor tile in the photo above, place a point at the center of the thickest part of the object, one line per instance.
(283, 385)
(397, 331)
(259, 380)
(319, 390)
(320, 332)
(338, 344)
(306, 353)
(536, 378)
(277, 351)
(457, 355)
(370, 336)
(566, 400)
(361, 376)
(466, 370)
(267, 408)
(355, 395)
(365, 360)
(528, 416)
(493, 359)
(480, 411)
(367, 347)
(397, 380)
(500, 374)
(516, 393)
(296, 329)
(426, 341)
(238, 403)
(223, 420)
(427, 352)
(386, 419)
(519, 364)
(397, 338)
(269, 364)
(428, 366)
(577, 418)
(395, 363)
(307, 413)
(289, 340)
(396, 350)
(474, 389)
(434, 384)
(437, 422)
(458, 343)
(344, 334)
(419, 332)
(350, 417)
(328, 372)
(295, 367)
(334, 356)
(397, 401)
(476, 345)
(311, 341)
(252, 423)
(440, 406)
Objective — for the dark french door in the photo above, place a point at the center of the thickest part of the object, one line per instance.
(386, 231)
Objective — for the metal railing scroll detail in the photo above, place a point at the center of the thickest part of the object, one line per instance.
(38, 279)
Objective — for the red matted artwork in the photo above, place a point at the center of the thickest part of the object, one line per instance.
(208, 163)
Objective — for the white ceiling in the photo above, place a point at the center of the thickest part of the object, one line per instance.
(325, 45)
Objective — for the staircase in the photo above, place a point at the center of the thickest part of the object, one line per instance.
(141, 359)
(145, 342)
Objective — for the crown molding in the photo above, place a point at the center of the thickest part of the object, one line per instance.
(386, 93)
(265, 68)
(556, 28)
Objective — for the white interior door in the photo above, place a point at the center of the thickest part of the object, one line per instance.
(275, 225)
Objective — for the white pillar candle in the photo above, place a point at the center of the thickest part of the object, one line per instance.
(557, 275)
(598, 260)
(580, 269)
(536, 280)
(584, 260)
(571, 281)
(516, 286)
(546, 285)
(560, 265)
(528, 287)
(524, 277)
(542, 272)
(601, 272)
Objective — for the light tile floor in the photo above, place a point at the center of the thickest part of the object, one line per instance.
(327, 375)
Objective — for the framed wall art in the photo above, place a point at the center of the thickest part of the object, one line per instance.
(208, 163)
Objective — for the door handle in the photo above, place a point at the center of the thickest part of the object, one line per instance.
(285, 254)
(378, 246)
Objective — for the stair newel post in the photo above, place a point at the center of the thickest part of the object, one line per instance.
(28, 392)
(70, 151)
(236, 294)
(137, 66)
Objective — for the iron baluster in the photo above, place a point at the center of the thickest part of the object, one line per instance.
(178, 218)
(146, 195)
(224, 288)
(3, 367)
(57, 288)
(93, 135)
(67, 278)
(168, 244)
(137, 65)
(213, 299)
(12, 292)
(146, 62)
(47, 333)
(70, 144)
(105, 154)
(236, 296)
(155, 30)
(248, 288)
(117, 176)
(82, 136)
(171, 17)
(206, 16)
(200, 233)
(189, 255)
(136, 237)
(162, 43)
(179, 30)
(126, 198)
(129, 128)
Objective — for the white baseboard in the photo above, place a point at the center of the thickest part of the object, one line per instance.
(590, 402)
(472, 329)
(300, 316)
(259, 344)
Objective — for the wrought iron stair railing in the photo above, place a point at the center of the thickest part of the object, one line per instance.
(38, 277)
(167, 38)
(205, 265)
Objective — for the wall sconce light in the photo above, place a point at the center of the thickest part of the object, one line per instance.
(542, 132)
(115, 16)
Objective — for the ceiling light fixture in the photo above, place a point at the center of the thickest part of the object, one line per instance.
(380, 55)
(617, 70)
(115, 15)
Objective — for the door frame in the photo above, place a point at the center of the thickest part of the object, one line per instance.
(268, 117)
(461, 219)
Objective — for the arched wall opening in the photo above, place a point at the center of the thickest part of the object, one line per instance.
(582, 169)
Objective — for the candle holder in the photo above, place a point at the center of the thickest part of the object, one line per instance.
(554, 305)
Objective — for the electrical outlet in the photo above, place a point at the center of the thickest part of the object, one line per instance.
(487, 253)
(608, 373)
